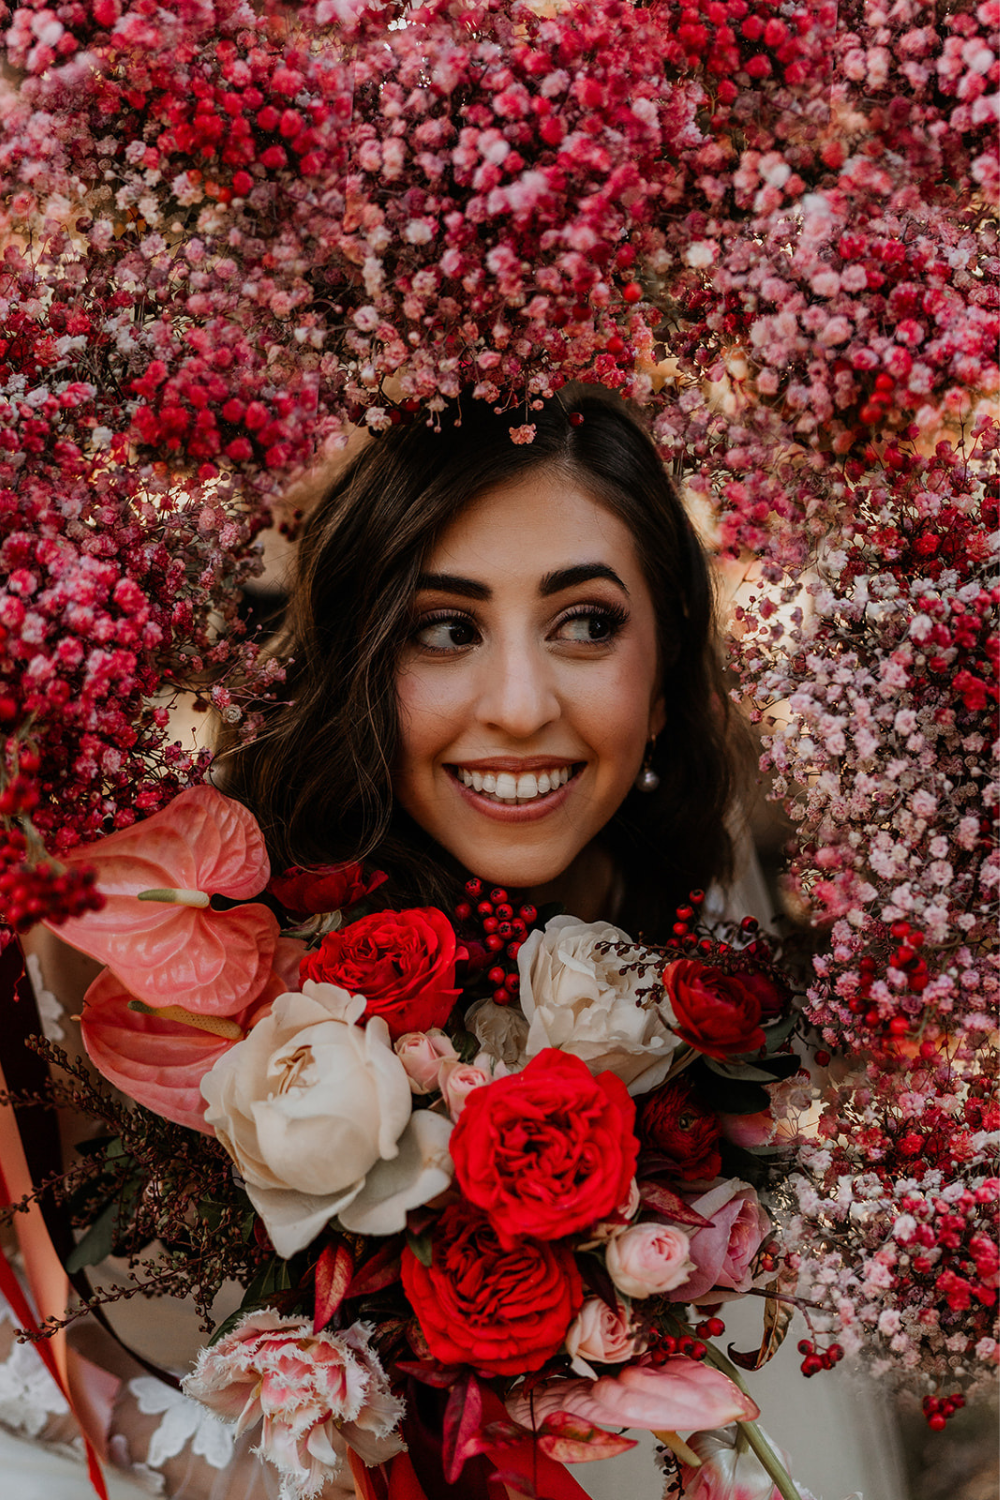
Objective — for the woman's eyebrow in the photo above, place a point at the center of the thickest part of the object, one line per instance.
(552, 583)
(453, 583)
(567, 578)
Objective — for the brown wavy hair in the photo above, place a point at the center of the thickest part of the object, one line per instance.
(319, 774)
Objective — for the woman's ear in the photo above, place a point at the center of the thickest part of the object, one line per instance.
(657, 716)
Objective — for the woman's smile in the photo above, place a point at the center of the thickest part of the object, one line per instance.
(529, 686)
(506, 789)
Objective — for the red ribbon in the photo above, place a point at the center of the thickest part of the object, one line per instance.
(44, 1271)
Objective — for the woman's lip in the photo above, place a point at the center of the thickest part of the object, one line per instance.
(515, 764)
(526, 812)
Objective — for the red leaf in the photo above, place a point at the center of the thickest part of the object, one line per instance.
(334, 1270)
(379, 1272)
(462, 1420)
(666, 1202)
(573, 1440)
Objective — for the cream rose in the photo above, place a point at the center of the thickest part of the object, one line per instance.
(316, 1113)
(576, 998)
(649, 1258)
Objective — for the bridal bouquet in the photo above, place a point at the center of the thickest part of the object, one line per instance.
(486, 1179)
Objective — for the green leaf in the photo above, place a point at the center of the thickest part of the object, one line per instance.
(96, 1243)
(107, 1229)
(747, 1072)
(421, 1245)
(780, 1031)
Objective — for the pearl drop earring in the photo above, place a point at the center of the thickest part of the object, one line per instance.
(648, 779)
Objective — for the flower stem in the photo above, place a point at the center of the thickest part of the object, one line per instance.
(751, 1432)
(769, 1460)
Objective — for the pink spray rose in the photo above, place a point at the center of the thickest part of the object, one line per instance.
(724, 1251)
(422, 1053)
(601, 1333)
(681, 1393)
(649, 1258)
(456, 1081)
(310, 1389)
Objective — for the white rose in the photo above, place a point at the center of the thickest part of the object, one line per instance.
(578, 1000)
(316, 1113)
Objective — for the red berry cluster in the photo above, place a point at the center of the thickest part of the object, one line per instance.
(690, 934)
(666, 1345)
(710, 1328)
(31, 892)
(503, 933)
(818, 1359)
(937, 1409)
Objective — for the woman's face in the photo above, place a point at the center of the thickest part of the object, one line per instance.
(529, 685)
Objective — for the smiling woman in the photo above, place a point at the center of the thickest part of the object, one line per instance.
(501, 660)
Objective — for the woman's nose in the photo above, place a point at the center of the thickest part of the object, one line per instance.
(518, 695)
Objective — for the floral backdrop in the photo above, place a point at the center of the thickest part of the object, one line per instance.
(230, 230)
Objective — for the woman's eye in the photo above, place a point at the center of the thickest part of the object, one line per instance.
(450, 633)
(591, 627)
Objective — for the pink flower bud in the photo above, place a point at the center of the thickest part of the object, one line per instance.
(649, 1258)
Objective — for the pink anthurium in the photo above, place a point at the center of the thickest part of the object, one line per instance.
(681, 1392)
(157, 932)
(158, 1059)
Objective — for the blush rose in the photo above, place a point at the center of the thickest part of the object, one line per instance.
(501, 1308)
(714, 1012)
(546, 1151)
(724, 1251)
(403, 962)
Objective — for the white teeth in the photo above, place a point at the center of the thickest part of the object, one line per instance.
(510, 788)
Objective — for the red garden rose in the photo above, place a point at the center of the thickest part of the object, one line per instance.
(500, 1309)
(403, 962)
(774, 996)
(675, 1122)
(304, 893)
(547, 1151)
(715, 1012)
